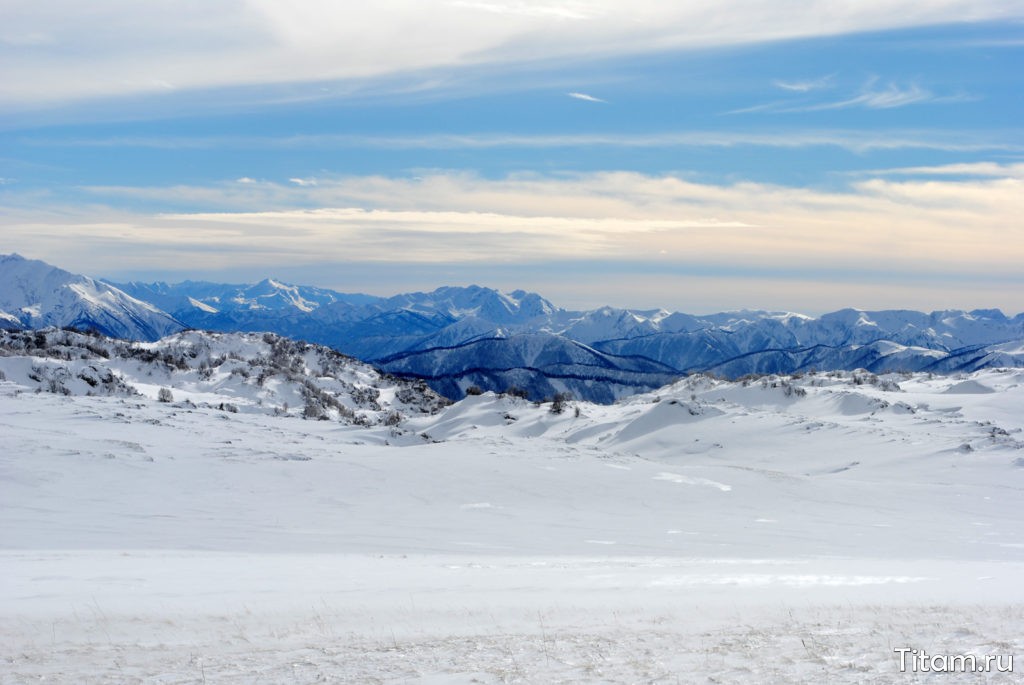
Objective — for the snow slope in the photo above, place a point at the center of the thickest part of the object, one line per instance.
(775, 530)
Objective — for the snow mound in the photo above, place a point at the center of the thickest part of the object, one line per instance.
(665, 415)
(970, 387)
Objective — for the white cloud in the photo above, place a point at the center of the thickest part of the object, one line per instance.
(778, 245)
(870, 96)
(990, 169)
(888, 97)
(564, 10)
(303, 181)
(858, 141)
(775, 106)
(67, 50)
(934, 225)
(584, 96)
(805, 86)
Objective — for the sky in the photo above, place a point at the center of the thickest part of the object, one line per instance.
(803, 156)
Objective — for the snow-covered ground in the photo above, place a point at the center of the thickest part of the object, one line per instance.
(777, 531)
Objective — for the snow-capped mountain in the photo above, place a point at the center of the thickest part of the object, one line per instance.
(374, 328)
(766, 342)
(362, 325)
(34, 294)
(223, 306)
(517, 307)
(608, 323)
(539, 363)
(456, 337)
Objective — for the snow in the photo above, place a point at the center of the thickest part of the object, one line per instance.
(969, 387)
(202, 306)
(1014, 348)
(738, 533)
(457, 337)
(47, 296)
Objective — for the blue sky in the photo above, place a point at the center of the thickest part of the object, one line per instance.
(804, 156)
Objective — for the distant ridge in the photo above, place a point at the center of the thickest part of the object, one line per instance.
(455, 338)
(459, 337)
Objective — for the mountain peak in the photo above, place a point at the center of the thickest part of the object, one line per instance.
(37, 295)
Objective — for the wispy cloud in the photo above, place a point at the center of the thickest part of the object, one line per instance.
(960, 225)
(854, 140)
(923, 230)
(805, 86)
(774, 106)
(870, 96)
(887, 97)
(304, 182)
(975, 169)
(584, 96)
(111, 48)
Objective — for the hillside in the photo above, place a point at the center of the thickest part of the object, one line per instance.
(233, 372)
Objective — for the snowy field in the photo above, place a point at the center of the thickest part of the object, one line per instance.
(709, 533)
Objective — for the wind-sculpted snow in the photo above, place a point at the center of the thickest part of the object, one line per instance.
(784, 529)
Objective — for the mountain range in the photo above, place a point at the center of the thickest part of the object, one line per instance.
(454, 338)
